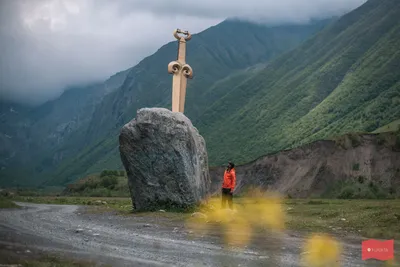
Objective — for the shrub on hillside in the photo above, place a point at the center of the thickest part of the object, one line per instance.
(380, 139)
(347, 192)
(396, 146)
(356, 166)
(362, 191)
(110, 173)
(355, 140)
(109, 181)
(107, 184)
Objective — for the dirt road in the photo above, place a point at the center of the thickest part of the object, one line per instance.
(140, 240)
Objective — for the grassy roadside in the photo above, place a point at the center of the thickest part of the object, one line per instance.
(48, 261)
(27, 258)
(96, 204)
(6, 203)
(368, 218)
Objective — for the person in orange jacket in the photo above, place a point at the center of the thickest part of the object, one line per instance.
(228, 185)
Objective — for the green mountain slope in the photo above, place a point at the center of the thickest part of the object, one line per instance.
(213, 54)
(344, 79)
(222, 51)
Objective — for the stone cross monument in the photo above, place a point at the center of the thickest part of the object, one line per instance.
(180, 71)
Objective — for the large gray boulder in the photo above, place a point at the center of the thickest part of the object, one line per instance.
(166, 160)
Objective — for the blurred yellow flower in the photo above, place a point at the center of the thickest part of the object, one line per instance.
(391, 263)
(238, 232)
(263, 210)
(267, 212)
(321, 250)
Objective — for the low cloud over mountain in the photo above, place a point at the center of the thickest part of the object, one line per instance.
(46, 45)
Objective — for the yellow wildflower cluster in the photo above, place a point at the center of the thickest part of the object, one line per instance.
(392, 263)
(260, 210)
(321, 250)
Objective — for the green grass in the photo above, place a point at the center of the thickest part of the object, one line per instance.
(39, 259)
(99, 204)
(109, 183)
(391, 127)
(6, 203)
(55, 262)
(369, 218)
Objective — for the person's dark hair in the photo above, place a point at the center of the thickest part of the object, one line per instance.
(232, 164)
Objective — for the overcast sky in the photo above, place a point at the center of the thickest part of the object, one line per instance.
(46, 45)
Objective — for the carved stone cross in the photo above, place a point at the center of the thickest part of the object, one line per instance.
(181, 72)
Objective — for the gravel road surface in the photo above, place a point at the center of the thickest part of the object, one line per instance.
(142, 241)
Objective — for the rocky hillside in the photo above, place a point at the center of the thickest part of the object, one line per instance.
(350, 166)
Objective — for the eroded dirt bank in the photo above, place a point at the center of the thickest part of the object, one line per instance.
(318, 168)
